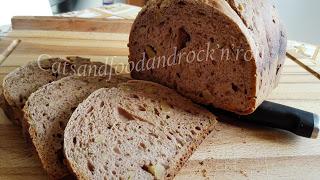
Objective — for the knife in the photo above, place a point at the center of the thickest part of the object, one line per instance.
(299, 122)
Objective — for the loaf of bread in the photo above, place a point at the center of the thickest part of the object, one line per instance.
(223, 53)
(20, 83)
(140, 130)
(48, 110)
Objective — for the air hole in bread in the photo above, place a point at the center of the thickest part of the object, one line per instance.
(182, 39)
(125, 115)
(167, 116)
(260, 54)
(168, 137)
(154, 135)
(135, 96)
(101, 103)
(162, 123)
(198, 128)
(180, 141)
(235, 88)
(116, 150)
(89, 109)
(142, 145)
(90, 166)
(193, 132)
(141, 108)
(156, 112)
(278, 68)
(74, 140)
(150, 52)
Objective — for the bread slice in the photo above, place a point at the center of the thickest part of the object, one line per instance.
(48, 110)
(140, 130)
(225, 53)
(19, 84)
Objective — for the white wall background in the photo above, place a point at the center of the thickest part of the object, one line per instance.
(9, 8)
(302, 19)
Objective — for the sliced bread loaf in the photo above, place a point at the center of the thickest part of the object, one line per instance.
(48, 110)
(19, 84)
(140, 130)
(224, 53)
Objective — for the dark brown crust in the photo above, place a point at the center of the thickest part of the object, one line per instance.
(11, 112)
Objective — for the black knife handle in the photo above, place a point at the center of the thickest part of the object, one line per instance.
(279, 116)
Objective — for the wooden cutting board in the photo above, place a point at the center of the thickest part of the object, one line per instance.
(234, 150)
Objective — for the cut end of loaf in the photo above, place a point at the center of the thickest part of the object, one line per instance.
(172, 33)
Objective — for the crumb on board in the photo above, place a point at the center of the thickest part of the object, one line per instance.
(244, 173)
(204, 172)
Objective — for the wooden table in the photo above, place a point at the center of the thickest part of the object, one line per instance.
(234, 150)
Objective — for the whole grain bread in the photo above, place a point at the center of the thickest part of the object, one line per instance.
(48, 110)
(224, 53)
(140, 130)
(20, 83)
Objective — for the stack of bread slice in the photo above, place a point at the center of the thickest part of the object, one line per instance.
(102, 127)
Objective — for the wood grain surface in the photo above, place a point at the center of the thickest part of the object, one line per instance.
(234, 150)
(76, 24)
